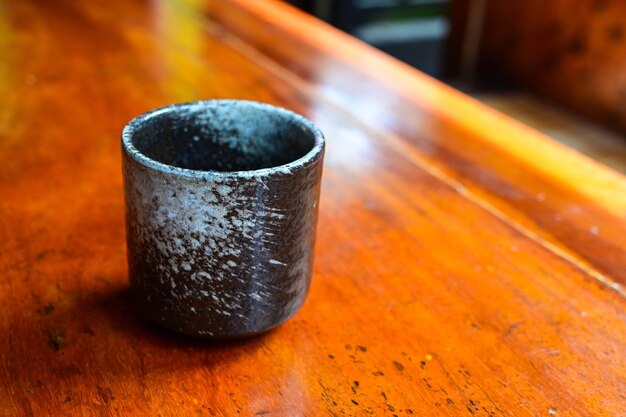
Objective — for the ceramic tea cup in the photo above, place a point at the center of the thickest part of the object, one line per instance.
(221, 211)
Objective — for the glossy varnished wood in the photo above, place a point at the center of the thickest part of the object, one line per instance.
(578, 207)
(444, 282)
(596, 142)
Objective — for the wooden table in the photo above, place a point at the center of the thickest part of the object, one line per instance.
(466, 265)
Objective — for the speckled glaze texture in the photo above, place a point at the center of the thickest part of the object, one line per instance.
(221, 208)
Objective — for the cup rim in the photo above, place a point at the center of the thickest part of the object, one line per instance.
(307, 159)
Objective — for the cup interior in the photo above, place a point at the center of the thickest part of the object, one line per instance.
(223, 136)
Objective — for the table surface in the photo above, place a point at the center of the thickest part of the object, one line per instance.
(465, 264)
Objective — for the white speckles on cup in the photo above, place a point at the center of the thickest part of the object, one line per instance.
(221, 203)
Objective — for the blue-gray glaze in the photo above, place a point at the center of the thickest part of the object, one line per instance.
(221, 209)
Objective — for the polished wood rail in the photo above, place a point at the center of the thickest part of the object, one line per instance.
(465, 264)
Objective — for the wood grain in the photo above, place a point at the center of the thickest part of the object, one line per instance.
(596, 142)
(577, 208)
(570, 51)
(436, 290)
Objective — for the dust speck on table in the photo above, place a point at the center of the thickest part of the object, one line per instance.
(105, 394)
(398, 366)
(45, 310)
(56, 338)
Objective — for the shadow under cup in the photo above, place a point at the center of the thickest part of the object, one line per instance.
(221, 209)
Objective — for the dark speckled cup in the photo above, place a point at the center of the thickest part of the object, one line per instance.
(221, 208)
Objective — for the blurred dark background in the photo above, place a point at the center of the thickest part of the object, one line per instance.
(557, 65)
(414, 31)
